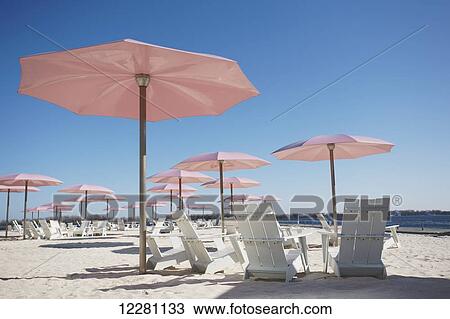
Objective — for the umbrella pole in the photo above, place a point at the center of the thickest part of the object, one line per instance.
(107, 209)
(85, 204)
(221, 197)
(142, 80)
(25, 208)
(331, 147)
(171, 208)
(180, 199)
(38, 215)
(7, 212)
(231, 197)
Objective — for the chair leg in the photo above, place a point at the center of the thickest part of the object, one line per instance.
(304, 247)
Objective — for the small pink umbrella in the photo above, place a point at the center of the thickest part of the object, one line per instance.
(243, 198)
(13, 189)
(172, 189)
(330, 147)
(85, 189)
(221, 161)
(57, 208)
(27, 180)
(108, 79)
(232, 183)
(179, 176)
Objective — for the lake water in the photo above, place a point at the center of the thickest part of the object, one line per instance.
(413, 221)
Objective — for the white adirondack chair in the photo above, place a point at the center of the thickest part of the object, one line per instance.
(56, 226)
(264, 245)
(33, 231)
(100, 228)
(162, 260)
(49, 232)
(17, 227)
(200, 259)
(392, 242)
(83, 230)
(361, 244)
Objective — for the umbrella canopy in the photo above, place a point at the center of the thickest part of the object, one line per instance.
(107, 79)
(331, 147)
(345, 147)
(232, 182)
(221, 161)
(83, 188)
(179, 176)
(230, 161)
(24, 179)
(86, 189)
(27, 180)
(167, 188)
(13, 189)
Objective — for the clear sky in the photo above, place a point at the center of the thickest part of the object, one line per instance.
(288, 49)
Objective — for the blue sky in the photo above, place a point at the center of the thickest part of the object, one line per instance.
(288, 50)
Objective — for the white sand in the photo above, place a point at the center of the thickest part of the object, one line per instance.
(106, 268)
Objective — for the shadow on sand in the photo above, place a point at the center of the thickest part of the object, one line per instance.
(314, 285)
(76, 245)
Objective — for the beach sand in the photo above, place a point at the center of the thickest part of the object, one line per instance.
(106, 268)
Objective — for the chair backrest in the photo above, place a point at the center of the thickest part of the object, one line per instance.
(17, 226)
(102, 224)
(261, 235)
(46, 229)
(362, 231)
(194, 247)
(55, 227)
(120, 224)
(84, 224)
(33, 232)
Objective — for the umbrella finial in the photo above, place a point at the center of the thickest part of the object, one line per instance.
(142, 79)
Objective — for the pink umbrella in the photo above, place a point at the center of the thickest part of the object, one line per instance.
(172, 189)
(330, 147)
(179, 176)
(270, 198)
(221, 161)
(232, 183)
(85, 189)
(57, 208)
(13, 189)
(28, 180)
(106, 79)
(243, 198)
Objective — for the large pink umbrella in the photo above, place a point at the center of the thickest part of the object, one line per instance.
(331, 147)
(109, 78)
(221, 161)
(172, 188)
(13, 189)
(86, 189)
(179, 176)
(27, 180)
(232, 183)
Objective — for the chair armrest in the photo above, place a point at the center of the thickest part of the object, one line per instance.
(164, 235)
(392, 226)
